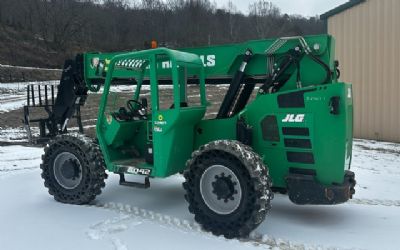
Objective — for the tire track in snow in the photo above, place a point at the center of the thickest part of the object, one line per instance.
(12, 99)
(378, 171)
(18, 169)
(375, 202)
(107, 228)
(128, 212)
(7, 173)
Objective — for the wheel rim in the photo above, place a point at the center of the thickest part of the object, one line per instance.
(220, 189)
(67, 170)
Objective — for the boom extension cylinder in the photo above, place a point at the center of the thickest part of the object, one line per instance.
(234, 88)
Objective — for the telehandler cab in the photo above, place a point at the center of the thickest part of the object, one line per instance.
(294, 137)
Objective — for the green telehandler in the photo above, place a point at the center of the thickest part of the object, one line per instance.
(284, 125)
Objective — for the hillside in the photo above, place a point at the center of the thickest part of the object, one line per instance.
(39, 33)
(19, 47)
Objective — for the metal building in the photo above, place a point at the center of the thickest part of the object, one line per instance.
(367, 36)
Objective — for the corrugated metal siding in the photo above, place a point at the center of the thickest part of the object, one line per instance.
(368, 48)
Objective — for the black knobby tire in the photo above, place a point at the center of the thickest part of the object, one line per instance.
(91, 170)
(255, 185)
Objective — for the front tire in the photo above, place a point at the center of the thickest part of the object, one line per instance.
(227, 188)
(73, 169)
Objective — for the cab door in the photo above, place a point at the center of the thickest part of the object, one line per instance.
(175, 115)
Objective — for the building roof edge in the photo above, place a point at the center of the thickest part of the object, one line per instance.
(340, 8)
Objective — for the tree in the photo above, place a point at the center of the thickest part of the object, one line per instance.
(264, 16)
(66, 27)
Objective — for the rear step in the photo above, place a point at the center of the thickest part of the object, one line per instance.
(144, 185)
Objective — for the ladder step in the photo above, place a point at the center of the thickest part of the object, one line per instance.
(144, 185)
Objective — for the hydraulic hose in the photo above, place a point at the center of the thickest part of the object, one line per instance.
(325, 66)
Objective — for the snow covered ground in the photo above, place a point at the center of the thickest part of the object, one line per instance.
(13, 95)
(23, 67)
(157, 218)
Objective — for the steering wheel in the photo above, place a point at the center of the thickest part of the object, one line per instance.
(138, 110)
(131, 105)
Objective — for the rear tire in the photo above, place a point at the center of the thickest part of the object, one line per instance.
(73, 169)
(227, 188)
